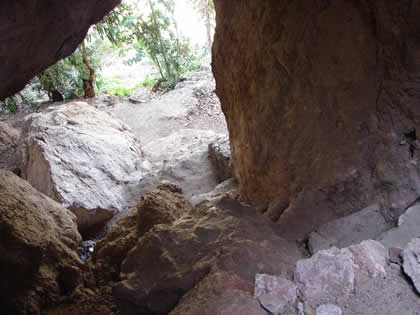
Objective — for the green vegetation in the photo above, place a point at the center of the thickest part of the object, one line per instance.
(152, 33)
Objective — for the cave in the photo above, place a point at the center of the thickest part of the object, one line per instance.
(321, 100)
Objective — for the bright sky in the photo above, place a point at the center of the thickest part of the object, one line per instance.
(189, 21)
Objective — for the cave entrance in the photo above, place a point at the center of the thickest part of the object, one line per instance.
(148, 65)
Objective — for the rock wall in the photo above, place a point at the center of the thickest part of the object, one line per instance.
(321, 100)
(39, 265)
(36, 34)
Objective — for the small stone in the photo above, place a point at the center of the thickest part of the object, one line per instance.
(411, 262)
(88, 244)
(326, 276)
(328, 309)
(274, 293)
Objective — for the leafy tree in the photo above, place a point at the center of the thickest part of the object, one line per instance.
(77, 75)
(67, 78)
(154, 34)
(158, 38)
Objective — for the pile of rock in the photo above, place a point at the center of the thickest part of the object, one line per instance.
(174, 253)
(360, 279)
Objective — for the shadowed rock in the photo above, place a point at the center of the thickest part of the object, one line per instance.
(38, 240)
(171, 259)
(321, 101)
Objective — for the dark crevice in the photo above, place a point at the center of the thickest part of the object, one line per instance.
(411, 137)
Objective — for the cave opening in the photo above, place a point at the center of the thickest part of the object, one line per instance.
(292, 214)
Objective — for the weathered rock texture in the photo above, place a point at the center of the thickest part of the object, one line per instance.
(228, 188)
(368, 223)
(207, 255)
(162, 206)
(222, 293)
(407, 229)
(36, 34)
(221, 158)
(83, 158)
(275, 294)
(8, 134)
(171, 259)
(411, 259)
(182, 159)
(359, 279)
(8, 144)
(38, 240)
(321, 100)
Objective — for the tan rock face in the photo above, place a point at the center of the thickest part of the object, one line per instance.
(321, 103)
(163, 206)
(38, 241)
(41, 33)
(172, 259)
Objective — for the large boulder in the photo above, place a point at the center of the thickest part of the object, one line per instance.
(172, 259)
(321, 101)
(83, 158)
(41, 33)
(182, 159)
(161, 206)
(38, 240)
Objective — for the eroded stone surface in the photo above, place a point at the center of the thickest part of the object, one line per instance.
(328, 309)
(38, 259)
(8, 134)
(221, 158)
(220, 292)
(275, 293)
(227, 188)
(83, 158)
(407, 229)
(411, 262)
(327, 277)
(370, 257)
(170, 260)
(182, 159)
(316, 115)
(368, 223)
(164, 205)
(358, 279)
